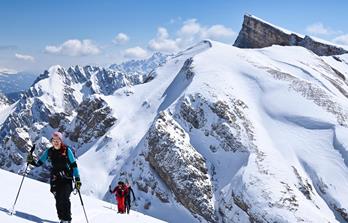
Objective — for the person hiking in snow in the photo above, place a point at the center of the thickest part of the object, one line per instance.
(120, 192)
(128, 197)
(64, 169)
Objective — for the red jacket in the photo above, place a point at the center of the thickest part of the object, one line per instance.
(120, 190)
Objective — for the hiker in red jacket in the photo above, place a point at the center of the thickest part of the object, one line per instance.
(120, 191)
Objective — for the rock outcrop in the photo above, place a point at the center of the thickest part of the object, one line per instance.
(180, 166)
(256, 33)
(93, 120)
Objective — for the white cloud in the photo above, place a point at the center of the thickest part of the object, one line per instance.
(218, 32)
(191, 27)
(162, 33)
(162, 42)
(342, 39)
(121, 38)
(189, 33)
(135, 53)
(7, 70)
(319, 28)
(25, 57)
(74, 47)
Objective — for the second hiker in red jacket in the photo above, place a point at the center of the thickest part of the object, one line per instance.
(120, 191)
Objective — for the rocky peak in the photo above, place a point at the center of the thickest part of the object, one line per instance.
(256, 33)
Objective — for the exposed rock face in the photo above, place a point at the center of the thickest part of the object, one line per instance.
(180, 166)
(229, 127)
(191, 113)
(319, 48)
(93, 119)
(257, 34)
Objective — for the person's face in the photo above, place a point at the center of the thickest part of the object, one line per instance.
(56, 142)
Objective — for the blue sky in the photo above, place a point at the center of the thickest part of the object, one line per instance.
(36, 34)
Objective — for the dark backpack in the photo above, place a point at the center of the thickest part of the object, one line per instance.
(65, 172)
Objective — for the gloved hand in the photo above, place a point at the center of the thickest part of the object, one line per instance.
(30, 159)
(110, 189)
(78, 184)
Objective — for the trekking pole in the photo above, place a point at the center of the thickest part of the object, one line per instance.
(84, 211)
(12, 211)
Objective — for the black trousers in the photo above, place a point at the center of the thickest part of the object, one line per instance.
(127, 202)
(62, 196)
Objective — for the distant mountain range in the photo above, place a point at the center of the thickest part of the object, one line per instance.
(11, 84)
(141, 66)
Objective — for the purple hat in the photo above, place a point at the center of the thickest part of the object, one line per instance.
(58, 135)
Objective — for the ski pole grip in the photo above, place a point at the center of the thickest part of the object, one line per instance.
(32, 149)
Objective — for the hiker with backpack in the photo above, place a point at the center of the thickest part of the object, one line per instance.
(128, 197)
(64, 171)
(120, 192)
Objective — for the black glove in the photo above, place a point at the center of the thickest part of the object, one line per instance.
(78, 183)
(110, 189)
(31, 159)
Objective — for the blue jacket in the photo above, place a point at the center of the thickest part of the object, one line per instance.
(71, 164)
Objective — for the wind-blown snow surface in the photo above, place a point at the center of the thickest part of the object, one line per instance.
(259, 134)
(36, 204)
(291, 162)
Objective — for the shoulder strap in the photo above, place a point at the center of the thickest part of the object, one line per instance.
(49, 153)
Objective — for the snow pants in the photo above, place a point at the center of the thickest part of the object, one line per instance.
(121, 204)
(62, 196)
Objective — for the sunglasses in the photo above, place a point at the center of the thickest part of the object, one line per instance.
(55, 140)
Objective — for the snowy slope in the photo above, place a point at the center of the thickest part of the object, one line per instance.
(36, 204)
(278, 160)
(216, 134)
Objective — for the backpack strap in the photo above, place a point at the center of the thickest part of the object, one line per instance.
(72, 162)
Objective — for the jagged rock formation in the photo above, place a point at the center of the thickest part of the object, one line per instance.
(65, 100)
(92, 121)
(256, 33)
(180, 166)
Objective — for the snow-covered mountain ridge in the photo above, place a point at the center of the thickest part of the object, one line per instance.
(215, 134)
